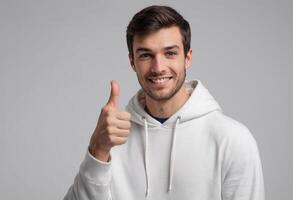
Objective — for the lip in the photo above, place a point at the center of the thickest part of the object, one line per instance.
(159, 82)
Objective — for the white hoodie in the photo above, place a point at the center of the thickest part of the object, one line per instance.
(197, 154)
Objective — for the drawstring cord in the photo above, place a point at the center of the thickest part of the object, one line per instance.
(172, 156)
(146, 160)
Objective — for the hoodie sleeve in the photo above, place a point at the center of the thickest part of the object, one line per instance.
(92, 180)
(243, 177)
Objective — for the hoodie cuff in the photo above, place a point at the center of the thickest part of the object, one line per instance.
(95, 171)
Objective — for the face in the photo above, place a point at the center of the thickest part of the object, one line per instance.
(160, 64)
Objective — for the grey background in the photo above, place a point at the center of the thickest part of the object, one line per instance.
(57, 59)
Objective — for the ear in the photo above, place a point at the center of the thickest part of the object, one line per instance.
(130, 57)
(188, 59)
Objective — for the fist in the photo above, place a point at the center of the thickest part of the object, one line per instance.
(112, 128)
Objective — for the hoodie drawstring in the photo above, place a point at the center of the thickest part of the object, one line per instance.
(146, 160)
(172, 156)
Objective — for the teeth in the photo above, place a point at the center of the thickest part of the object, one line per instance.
(159, 80)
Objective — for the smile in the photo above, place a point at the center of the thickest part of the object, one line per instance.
(159, 80)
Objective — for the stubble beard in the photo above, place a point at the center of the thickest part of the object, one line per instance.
(168, 96)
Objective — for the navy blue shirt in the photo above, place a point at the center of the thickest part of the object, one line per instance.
(161, 120)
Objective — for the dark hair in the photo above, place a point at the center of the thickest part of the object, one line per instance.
(154, 18)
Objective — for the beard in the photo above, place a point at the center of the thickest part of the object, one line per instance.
(179, 79)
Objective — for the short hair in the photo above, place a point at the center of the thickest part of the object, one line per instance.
(153, 18)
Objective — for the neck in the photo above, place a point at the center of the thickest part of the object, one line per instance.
(165, 109)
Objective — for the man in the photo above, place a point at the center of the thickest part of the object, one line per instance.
(173, 142)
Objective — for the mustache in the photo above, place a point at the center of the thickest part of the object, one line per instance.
(157, 74)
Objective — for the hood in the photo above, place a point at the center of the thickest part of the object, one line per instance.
(199, 104)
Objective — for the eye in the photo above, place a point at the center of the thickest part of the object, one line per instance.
(171, 53)
(145, 56)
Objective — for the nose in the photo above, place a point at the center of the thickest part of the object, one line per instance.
(158, 64)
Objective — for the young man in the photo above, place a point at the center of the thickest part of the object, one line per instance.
(173, 142)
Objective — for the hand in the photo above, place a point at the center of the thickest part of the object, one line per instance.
(112, 128)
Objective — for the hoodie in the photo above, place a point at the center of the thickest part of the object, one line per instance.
(198, 153)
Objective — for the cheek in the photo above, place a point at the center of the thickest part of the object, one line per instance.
(178, 66)
(141, 69)
(140, 73)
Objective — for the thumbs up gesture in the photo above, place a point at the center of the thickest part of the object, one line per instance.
(112, 128)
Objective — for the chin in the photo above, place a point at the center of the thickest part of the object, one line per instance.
(160, 96)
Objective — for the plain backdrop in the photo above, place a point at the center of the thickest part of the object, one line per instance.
(57, 58)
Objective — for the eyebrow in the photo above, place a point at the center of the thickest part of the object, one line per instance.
(142, 49)
(165, 48)
(172, 47)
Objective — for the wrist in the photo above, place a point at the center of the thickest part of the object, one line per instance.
(100, 154)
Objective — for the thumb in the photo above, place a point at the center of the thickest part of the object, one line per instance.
(114, 95)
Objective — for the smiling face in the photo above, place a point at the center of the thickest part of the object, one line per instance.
(160, 64)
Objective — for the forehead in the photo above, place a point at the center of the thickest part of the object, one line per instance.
(155, 41)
